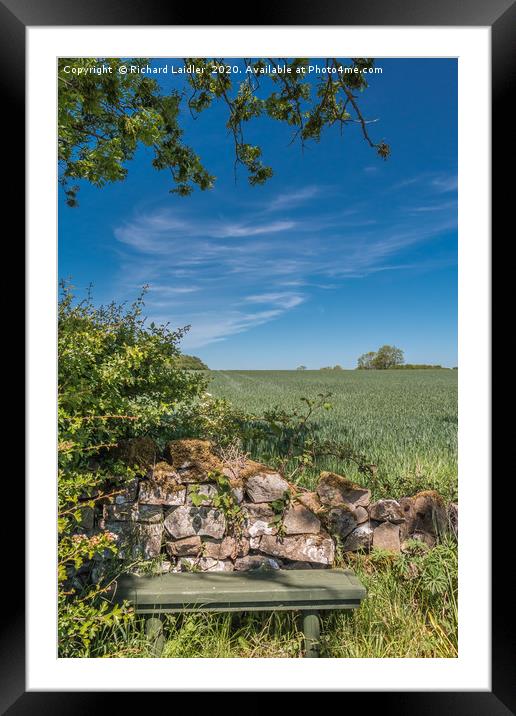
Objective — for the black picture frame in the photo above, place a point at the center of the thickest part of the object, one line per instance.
(500, 15)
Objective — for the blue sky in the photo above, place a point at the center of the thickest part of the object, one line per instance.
(337, 254)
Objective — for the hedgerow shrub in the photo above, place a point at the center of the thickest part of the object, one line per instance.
(117, 379)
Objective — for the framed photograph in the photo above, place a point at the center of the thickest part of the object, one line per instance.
(258, 295)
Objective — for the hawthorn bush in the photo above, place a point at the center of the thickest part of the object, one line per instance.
(117, 379)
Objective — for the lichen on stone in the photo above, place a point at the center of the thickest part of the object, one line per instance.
(337, 481)
(163, 474)
(334, 490)
(252, 468)
(140, 452)
(194, 456)
(431, 494)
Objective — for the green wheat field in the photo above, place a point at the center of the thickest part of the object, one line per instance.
(403, 421)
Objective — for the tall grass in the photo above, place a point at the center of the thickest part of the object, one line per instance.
(410, 611)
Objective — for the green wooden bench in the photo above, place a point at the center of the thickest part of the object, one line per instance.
(307, 590)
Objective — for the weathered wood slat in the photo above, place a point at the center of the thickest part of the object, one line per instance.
(152, 609)
(231, 591)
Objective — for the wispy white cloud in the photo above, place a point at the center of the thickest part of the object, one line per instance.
(445, 183)
(283, 300)
(212, 327)
(241, 230)
(291, 199)
(408, 181)
(429, 182)
(174, 290)
(226, 277)
(153, 233)
(440, 207)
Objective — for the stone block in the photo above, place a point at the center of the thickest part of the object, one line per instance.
(128, 492)
(133, 513)
(310, 500)
(258, 518)
(360, 539)
(425, 512)
(361, 514)
(340, 520)
(303, 548)
(300, 520)
(266, 487)
(188, 546)
(186, 521)
(334, 490)
(453, 518)
(255, 561)
(387, 536)
(137, 539)
(162, 487)
(205, 564)
(221, 549)
(387, 511)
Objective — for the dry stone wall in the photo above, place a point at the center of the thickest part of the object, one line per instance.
(197, 511)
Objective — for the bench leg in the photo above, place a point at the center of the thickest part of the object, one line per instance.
(312, 632)
(154, 632)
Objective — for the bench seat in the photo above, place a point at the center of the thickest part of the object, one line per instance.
(308, 590)
(240, 591)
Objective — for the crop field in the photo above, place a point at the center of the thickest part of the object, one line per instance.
(403, 421)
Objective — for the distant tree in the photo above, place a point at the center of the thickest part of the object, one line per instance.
(335, 367)
(384, 358)
(388, 357)
(365, 361)
(418, 366)
(186, 362)
(301, 367)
